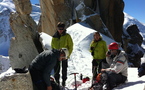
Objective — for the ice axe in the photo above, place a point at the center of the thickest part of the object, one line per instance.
(75, 79)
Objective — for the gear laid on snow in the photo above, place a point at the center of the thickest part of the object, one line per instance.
(21, 70)
(85, 79)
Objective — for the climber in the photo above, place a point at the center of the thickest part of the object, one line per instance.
(41, 67)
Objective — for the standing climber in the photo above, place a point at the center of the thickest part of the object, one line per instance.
(61, 39)
(98, 49)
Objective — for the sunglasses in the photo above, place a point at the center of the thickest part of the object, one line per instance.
(61, 29)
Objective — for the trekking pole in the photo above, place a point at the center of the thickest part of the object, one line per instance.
(75, 79)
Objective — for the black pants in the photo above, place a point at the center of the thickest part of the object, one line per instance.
(64, 70)
(37, 79)
(96, 67)
(115, 79)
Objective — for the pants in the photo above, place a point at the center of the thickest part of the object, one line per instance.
(97, 66)
(64, 70)
(115, 79)
(37, 79)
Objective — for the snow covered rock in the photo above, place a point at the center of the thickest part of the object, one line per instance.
(17, 81)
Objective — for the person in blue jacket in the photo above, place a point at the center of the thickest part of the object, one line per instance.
(41, 67)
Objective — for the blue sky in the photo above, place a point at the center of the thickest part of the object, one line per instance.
(135, 8)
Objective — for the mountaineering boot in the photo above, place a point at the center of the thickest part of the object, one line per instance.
(63, 83)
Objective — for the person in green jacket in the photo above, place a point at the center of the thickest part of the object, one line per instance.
(41, 67)
(98, 49)
(61, 39)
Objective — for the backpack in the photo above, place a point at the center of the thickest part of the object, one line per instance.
(101, 79)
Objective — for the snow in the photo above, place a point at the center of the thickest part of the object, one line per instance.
(4, 63)
(8, 4)
(36, 12)
(46, 40)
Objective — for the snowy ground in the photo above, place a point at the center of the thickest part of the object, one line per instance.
(134, 82)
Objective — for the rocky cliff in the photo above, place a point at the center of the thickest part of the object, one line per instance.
(109, 13)
(26, 43)
(103, 17)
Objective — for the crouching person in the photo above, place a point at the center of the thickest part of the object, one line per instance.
(117, 73)
(41, 67)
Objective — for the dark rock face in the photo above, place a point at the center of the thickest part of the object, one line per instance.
(111, 12)
(135, 53)
(134, 49)
(133, 31)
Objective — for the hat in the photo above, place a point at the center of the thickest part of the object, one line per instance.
(113, 45)
(65, 50)
(61, 24)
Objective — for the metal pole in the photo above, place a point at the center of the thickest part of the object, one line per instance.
(75, 79)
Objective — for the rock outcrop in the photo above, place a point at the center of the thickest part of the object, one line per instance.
(133, 45)
(17, 81)
(24, 46)
(111, 12)
(53, 11)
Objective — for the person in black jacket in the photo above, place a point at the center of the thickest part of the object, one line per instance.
(41, 67)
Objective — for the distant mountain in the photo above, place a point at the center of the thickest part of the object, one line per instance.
(7, 6)
(129, 20)
(5, 30)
